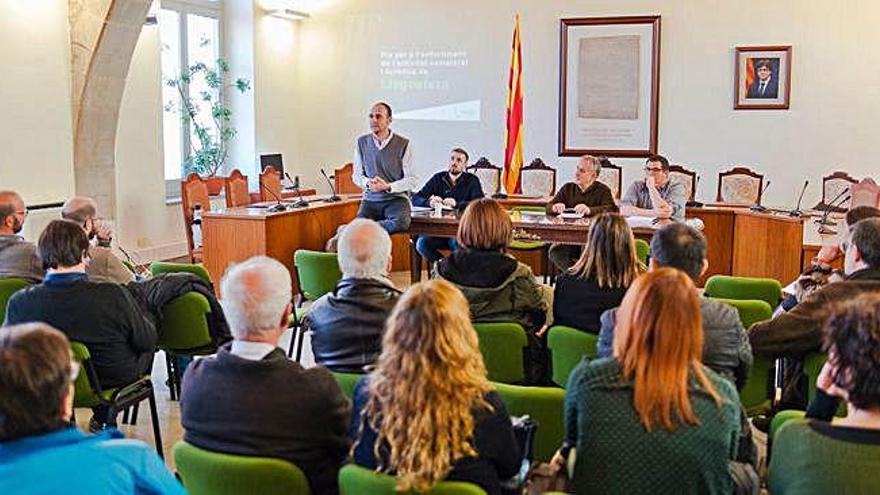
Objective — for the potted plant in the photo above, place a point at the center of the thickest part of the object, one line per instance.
(208, 116)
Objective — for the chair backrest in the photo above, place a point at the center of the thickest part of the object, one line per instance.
(270, 180)
(215, 473)
(612, 176)
(489, 175)
(160, 267)
(865, 193)
(356, 480)
(237, 189)
(184, 324)
(193, 191)
(838, 183)
(347, 382)
(756, 395)
(688, 178)
(568, 346)
(8, 287)
(740, 186)
(750, 310)
(545, 406)
(343, 182)
(643, 251)
(317, 272)
(502, 344)
(537, 179)
(86, 387)
(727, 287)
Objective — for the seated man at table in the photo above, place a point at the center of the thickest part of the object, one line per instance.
(18, 257)
(250, 399)
(656, 195)
(454, 187)
(586, 196)
(347, 324)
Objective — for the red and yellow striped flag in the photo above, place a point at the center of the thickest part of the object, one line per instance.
(513, 133)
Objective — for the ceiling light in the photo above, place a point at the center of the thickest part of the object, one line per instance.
(294, 15)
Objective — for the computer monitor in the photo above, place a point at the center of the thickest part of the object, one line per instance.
(273, 159)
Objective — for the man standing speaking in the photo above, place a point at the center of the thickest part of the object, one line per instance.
(383, 168)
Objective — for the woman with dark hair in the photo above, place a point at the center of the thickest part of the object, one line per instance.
(653, 418)
(428, 412)
(814, 456)
(600, 278)
(40, 452)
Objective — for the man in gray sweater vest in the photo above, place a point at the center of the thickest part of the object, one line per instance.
(383, 168)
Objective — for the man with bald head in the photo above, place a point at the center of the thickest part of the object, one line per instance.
(103, 266)
(347, 324)
(18, 258)
(250, 400)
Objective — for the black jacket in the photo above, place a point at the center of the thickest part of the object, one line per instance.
(579, 302)
(268, 408)
(152, 295)
(466, 189)
(347, 324)
(103, 316)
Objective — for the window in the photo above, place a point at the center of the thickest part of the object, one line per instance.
(189, 32)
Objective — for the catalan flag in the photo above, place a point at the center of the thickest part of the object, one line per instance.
(513, 133)
(750, 74)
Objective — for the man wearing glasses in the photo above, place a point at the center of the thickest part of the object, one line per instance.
(656, 195)
(18, 257)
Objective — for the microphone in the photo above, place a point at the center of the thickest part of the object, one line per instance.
(693, 202)
(276, 207)
(334, 197)
(301, 202)
(823, 230)
(829, 206)
(796, 212)
(758, 207)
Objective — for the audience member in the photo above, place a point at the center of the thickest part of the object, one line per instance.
(428, 412)
(726, 345)
(816, 456)
(18, 258)
(600, 278)
(451, 188)
(249, 399)
(40, 451)
(652, 418)
(657, 195)
(347, 323)
(103, 265)
(383, 168)
(104, 317)
(586, 196)
(799, 331)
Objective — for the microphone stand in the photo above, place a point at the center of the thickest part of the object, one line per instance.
(822, 227)
(758, 207)
(796, 212)
(300, 203)
(277, 207)
(693, 203)
(334, 197)
(831, 204)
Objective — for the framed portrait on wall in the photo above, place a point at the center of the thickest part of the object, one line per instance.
(609, 86)
(763, 78)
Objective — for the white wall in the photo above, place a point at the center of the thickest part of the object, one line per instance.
(36, 136)
(317, 78)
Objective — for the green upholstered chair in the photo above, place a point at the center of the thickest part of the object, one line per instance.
(534, 245)
(727, 287)
(643, 251)
(347, 382)
(88, 392)
(162, 267)
(8, 287)
(213, 473)
(502, 344)
(183, 331)
(750, 310)
(567, 347)
(356, 480)
(317, 273)
(545, 406)
(756, 395)
(783, 417)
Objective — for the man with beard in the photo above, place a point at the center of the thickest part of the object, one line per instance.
(18, 257)
(103, 266)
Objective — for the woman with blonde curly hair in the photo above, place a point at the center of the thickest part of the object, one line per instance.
(428, 413)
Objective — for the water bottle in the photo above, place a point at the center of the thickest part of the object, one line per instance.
(197, 226)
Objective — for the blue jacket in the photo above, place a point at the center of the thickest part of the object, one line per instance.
(70, 461)
(466, 189)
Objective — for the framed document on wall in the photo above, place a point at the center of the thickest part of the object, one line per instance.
(609, 86)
